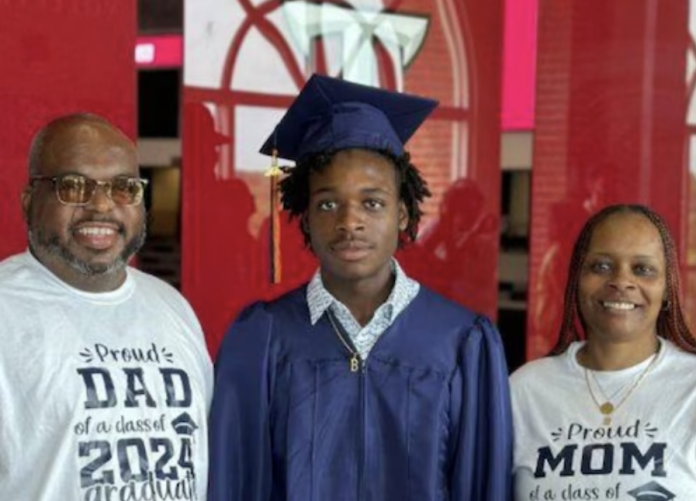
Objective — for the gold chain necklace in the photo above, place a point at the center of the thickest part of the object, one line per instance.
(603, 393)
(354, 360)
(607, 408)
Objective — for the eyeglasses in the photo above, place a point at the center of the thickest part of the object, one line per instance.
(76, 189)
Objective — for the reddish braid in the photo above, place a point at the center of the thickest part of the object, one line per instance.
(671, 323)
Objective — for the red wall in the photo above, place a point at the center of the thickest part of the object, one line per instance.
(55, 58)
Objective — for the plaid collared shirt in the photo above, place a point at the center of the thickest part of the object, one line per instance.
(363, 338)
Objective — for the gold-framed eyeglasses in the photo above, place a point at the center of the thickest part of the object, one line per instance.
(79, 190)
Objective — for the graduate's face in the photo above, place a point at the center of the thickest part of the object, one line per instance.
(86, 246)
(355, 216)
(622, 282)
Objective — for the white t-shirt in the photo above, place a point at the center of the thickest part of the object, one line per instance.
(103, 396)
(564, 451)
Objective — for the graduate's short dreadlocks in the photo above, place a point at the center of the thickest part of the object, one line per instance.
(670, 322)
(412, 189)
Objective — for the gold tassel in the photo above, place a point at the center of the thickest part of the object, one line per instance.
(274, 173)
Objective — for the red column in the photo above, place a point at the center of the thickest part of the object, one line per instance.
(56, 58)
(610, 128)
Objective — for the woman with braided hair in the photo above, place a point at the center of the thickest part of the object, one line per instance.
(594, 420)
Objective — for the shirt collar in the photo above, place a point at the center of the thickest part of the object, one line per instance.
(319, 299)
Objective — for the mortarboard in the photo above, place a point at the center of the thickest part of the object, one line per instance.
(651, 491)
(184, 424)
(330, 114)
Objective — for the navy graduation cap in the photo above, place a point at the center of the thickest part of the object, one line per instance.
(652, 491)
(331, 114)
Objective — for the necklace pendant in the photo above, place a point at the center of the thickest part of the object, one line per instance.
(606, 408)
(354, 363)
(607, 420)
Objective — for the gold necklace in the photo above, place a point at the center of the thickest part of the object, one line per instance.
(354, 360)
(607, 408)
(604, 393)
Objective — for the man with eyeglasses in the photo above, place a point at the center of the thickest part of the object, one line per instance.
(105, 380)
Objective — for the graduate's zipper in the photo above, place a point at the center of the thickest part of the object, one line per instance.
(356, 363)
(363, 432)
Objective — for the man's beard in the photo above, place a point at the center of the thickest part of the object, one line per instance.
(50, 244)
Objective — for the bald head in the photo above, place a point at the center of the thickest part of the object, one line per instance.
(87, 245)
(71, 133)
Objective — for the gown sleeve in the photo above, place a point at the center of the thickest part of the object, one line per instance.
(481, 395)
(240, 450)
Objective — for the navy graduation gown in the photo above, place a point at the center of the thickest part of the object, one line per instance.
(426, 418)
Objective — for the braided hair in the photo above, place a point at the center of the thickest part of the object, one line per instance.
(670, 322)
(412, 189)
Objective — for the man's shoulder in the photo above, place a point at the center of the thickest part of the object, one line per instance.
(13, 261)
(14, 271)
(288, 303)
(437, 306)
(147, 280)
(288, 307)
(153, 288)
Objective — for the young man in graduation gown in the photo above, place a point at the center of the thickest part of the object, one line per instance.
(362, 384)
